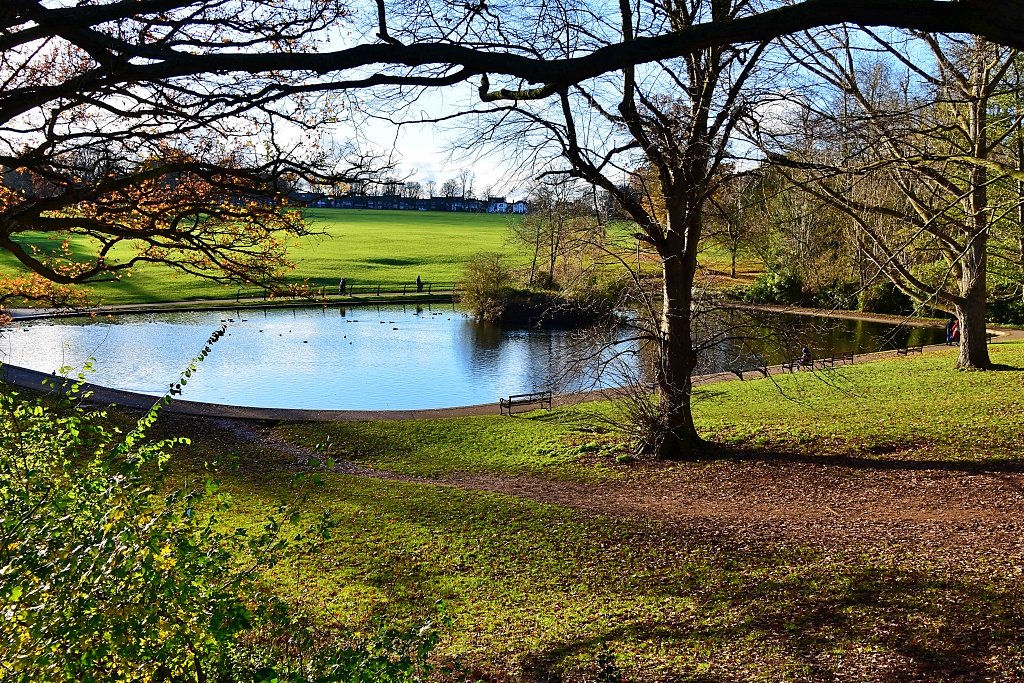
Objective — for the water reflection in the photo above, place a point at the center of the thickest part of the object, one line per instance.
(392, 357)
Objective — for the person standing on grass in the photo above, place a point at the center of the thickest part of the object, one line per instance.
(341, 286)
(419, 284)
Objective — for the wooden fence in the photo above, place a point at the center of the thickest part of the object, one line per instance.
(322, 292)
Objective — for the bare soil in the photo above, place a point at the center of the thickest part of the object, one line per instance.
(946, 511)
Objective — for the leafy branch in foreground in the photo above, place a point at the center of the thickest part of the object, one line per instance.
(108, 573)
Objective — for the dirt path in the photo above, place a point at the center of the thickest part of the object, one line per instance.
(933, 512)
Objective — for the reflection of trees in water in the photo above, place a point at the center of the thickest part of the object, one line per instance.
(615, 354)
(748, 339)
(485, 338)
(727, 340)
(536, 353)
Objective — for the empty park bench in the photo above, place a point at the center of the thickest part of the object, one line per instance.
(907, 350)
(754, 363)
(541, 397)
(837, 358)
(760, 369)
(842, 357)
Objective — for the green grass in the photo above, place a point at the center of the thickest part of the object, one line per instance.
(543, 592)
(363, 246)
(536, 443)
(923, 408)
(869, 410)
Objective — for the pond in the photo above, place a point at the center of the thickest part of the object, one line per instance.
(363, 358)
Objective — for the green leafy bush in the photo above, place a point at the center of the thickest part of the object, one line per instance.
(108, 574)
(839, 295)
(884, 297)
(1007, 311)
(775, 288)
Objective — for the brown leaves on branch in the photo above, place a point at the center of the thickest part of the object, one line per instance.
(219, 219)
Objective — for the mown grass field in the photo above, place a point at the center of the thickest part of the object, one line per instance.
(363, 246)
(544, 585)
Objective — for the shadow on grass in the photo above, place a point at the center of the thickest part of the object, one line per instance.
(825, 623)
(1002, 367)
(715, 451)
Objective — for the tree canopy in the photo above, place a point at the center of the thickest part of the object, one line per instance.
(174, 130)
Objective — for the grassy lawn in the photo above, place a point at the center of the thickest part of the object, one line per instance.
(363, 246)
(855, 410)
(556, 445)
(542, 592)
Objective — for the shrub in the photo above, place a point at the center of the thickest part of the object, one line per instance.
(775, 288)
(106, 574)
(1007, 311)
(490, 291)
(842, 295)
(487, 285)
(884, 297)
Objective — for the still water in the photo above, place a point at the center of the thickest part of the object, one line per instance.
(387, 358)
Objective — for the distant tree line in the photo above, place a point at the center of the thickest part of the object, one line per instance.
(892, 184)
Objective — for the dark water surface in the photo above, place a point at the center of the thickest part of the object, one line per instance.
(364, 358)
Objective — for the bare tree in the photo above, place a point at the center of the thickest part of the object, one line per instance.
(451, 188)
(559, 231)
(465, 180)
(732, 216)
(667, 130)
(917, 165)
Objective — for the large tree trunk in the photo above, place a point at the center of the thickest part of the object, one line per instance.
(970, 311)
(678, 438)
(974, 268)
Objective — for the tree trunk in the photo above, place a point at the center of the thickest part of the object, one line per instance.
(970, 310)
(678, 438)
(973, 337)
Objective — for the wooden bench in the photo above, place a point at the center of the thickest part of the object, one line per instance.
(842, 357)
(835, 359)
(907, 350)
(797, 364)
(541, 397)
(760, 369)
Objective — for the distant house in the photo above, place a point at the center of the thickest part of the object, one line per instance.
(497, 205)
(520, 207)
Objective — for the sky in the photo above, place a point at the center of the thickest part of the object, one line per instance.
(424, 152)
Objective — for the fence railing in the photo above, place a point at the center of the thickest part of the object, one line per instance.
(322, 292)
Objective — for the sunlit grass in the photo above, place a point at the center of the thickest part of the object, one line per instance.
(540, 591)
(872, 408)
(363, 246)
(369, 247)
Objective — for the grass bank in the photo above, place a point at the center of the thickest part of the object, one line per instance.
(855, 526)
(363, 246)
